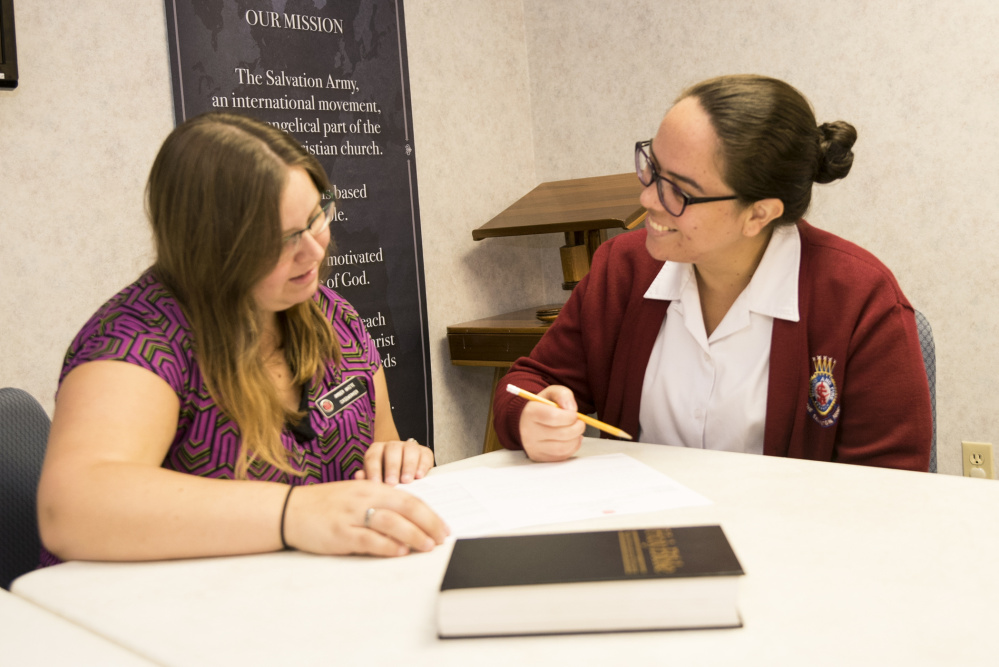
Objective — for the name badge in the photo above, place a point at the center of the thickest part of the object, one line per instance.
(342, 395)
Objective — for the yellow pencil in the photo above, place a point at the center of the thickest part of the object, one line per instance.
(586, 419)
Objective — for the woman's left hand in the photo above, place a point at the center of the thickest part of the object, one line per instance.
(396, 461)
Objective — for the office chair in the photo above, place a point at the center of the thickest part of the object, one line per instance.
(930, 361)
(24, 430)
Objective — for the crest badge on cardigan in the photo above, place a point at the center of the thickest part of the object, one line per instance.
(823, 396)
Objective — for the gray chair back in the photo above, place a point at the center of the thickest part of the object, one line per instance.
(930, 361)
(24, 431)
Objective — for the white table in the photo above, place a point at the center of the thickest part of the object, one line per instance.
(845, 566)
(29, 636)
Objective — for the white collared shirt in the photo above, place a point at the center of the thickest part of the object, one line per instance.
(711, 392)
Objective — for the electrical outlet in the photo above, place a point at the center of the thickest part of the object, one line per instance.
(977, 458)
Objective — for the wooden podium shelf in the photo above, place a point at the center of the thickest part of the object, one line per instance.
(582, 209)
(497, 342)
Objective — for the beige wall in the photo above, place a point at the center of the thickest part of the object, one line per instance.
(505, 95)
(77, 138)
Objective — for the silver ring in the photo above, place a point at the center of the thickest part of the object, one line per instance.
(370, 512)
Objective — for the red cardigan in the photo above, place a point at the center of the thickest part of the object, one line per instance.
(851, 310)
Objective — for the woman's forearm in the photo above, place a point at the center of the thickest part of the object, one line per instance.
(127, 511)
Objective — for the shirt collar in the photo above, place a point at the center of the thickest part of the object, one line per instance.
(773, 290)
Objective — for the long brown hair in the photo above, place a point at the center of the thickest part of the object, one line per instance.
(213, 198)
(770, 144)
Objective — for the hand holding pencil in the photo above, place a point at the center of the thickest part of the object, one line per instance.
(550, 427)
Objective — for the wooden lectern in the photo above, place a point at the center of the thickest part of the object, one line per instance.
(582, 209)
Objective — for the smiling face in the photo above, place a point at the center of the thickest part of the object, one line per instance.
(295, 278)
(686, 151)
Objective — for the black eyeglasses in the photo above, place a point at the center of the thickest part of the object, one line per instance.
(673, 199)
(317, 225)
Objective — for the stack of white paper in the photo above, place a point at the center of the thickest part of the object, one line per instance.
(481, 501)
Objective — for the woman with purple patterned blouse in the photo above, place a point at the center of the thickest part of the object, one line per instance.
(198, 398)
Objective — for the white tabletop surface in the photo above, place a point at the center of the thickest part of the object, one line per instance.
(845, 565)
(31, 636)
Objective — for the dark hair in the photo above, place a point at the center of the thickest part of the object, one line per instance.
(213, 198)
(770, 145)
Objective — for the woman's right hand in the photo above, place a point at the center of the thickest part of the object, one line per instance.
(330, 519)
(548, 433)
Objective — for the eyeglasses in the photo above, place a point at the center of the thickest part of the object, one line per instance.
(673, 199)
(319, 224)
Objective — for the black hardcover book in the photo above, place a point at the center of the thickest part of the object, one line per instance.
(644, 579)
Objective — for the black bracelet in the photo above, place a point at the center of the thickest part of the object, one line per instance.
(284, 510)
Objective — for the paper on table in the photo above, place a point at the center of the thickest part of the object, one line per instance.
(487, 500)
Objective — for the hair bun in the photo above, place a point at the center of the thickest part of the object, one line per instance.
(836, 156)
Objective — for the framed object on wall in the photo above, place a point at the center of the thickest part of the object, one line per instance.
(8, 46)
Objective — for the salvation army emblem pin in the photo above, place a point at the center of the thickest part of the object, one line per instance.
(342, 395)
(823, 396)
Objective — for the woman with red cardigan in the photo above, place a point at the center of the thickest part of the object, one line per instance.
(729, 322)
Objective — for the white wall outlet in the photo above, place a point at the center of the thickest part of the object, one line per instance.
(977, 458)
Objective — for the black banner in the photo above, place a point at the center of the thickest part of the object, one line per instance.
(334, 74)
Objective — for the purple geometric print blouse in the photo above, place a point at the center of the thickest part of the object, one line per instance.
(143, 325)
